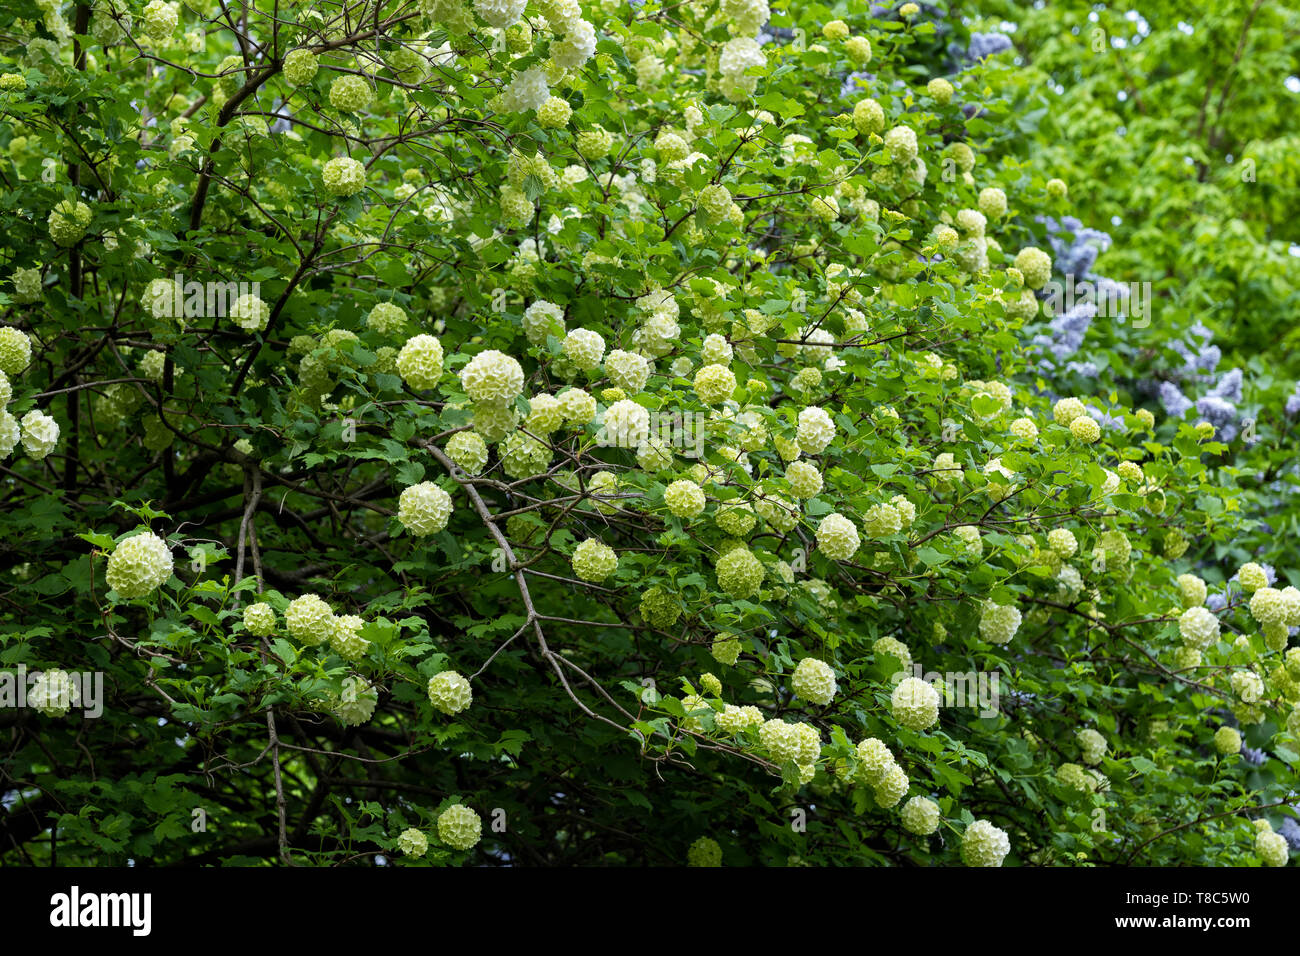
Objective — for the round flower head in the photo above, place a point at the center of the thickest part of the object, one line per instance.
(343, 176)
(999, 622)
(1085, 429)
(920, 816)
(594, 561)
(1092, 744)
(1192, 589)
(813, 681)
(386, 318)
(160, 19)
(1227, 740)
(816, 430)
(492, 376)
(1035, 265)
(940, 89)
(300, 67)
(684, 498)
(704, 852)
(450, 692)
(423, 509)
(983, 844)
(40, 434)
(1247, 685)
(356, 704)
(139, 565)
(739, 573)
(420, 361)
(1063, 542)
(1067, 410)
(716, 350)
(891, 788)
(413, 843)
(580, 408)
(53, 693)
(882, 520)
(780, 740)
(555, 113)
(993, 202)
(1024, 429)
(1252, 577)
(1199, 627)
(915, 704)
(735, 720)
(714, 384)
(545, 414)
(345, 637)
(68, 222)
(901, 143)
(804, 478)
(259, 618)
(584, 348)
(626, 424)
(350, 93)
(459, 827)
(542, 319)
(726, 650)
(1272, 848)
(493, 422)
(1056, 188)
(627, 370)
(837, 537)
(874, 760)
(250, 313)
(868, 117)
(27, 285)
(308, 620)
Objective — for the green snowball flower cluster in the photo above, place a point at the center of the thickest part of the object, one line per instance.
(259, 618)
(459, 827)
(813, 681)
(915, 704)
(139, 565)
(450, 692)
(343, 176)
(68, 222)
(594, 561)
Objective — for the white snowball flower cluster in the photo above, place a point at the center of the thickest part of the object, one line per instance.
(1272, 848)
(450, 692)
(920, 816)
(837, 537)
(541, 319)
(999, 622)
(423, 509)
(915, 704)
(139, 565)
(1248, 686)
(420, 360)
(259, 618)
(627, 370)
(413, 843)
(738, 56)
(783, 741)
(53, 693)
(813, 681)
(1199, 627)
(584, 348)
(882, 520)
(40, 434)
(527, 90)
(356, 703)
(1092, 744)
(492, 377)
(816, 430)
(626, 424)
(714, 384)
(983, 844)
(501, 13)
(309, 620)
(250, 313)
(804, 478)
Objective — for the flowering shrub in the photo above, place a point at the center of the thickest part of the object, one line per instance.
(608, 404)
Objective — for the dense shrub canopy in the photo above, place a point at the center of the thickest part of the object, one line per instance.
(597, 433)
